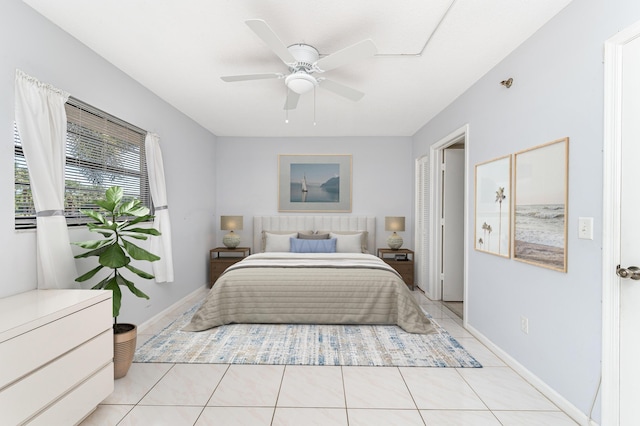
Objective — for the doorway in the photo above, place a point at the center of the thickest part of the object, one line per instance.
(441, 257)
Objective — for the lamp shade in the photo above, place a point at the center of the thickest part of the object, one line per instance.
(231, 223)
(394, 223)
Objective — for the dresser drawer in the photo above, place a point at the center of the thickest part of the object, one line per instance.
(41, 388)
(29, 351)
(70, 409)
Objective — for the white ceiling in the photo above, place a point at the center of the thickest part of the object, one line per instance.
(429, 53)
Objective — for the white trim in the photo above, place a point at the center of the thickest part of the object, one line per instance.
(435, 156)
(563, 404)
(613, 51)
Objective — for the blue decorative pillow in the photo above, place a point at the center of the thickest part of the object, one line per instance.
(313, 246)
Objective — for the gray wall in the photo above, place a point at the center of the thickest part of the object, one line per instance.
(557, 92)
(33, 44)
(247, 172)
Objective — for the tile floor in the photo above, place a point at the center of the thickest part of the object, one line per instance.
(255, 395)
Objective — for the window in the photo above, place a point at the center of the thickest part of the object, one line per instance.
(102, 151)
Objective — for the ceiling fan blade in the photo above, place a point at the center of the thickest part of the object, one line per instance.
(267, 35)
(292, 100)
(231, 78)
(361, 50)
(341, 89)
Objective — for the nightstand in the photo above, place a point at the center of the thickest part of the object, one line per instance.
(221, 258)
(403, 267)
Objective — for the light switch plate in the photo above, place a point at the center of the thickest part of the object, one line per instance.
(585, 228)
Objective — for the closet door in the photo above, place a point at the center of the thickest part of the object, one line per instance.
(422, 257)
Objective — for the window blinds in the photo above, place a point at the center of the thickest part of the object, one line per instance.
(101, 151)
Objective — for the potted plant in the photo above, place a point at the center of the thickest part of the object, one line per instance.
(116, 221)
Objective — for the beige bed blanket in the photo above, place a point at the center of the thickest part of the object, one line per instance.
(304, 288)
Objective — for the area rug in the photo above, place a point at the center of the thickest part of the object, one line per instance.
(303, 344)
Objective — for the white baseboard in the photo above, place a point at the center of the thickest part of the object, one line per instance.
(562, 403)
(195, 295)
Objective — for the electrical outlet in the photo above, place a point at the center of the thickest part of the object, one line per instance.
(524, 324)
(585, 228)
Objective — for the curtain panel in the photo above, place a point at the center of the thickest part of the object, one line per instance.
(161, 246)
(42, 124)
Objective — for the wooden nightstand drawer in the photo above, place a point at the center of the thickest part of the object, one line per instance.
(221, 258)
(403, 267)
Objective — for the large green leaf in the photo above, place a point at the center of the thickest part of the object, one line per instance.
(138, 211)
(102, 283)
(133, 235)
(128, 205)
(114, 257)
(148, 231)
(92, 244)
(97, 216)
(127, 208)
(131, 286)
(112, 285)
(114, 195)
(147, 218)
(139, 272)
(89, 274)
(107, 205)
(96, 252)
(138, 253)
(107, 226)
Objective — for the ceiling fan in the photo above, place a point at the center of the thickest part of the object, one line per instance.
(303, 61)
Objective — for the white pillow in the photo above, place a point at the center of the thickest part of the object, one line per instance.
(348, 243)
(278, 242)
(263, 241)
(363, 240)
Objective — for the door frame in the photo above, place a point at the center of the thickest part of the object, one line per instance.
(436, 152)
(612, 185)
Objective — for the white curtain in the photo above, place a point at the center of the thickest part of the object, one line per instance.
(160, 246)
(42, 126)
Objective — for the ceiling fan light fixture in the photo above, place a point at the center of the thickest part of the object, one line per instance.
(300, 82)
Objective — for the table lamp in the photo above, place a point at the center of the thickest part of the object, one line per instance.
(231, 223)
(394, 223)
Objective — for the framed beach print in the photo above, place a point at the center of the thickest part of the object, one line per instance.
(493, 207)
(541, 191)
(314, 183)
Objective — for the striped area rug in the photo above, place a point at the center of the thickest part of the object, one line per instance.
(303, 344)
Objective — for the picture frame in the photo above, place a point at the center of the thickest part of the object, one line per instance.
(541, 205)
(314, 183)
(492, 232)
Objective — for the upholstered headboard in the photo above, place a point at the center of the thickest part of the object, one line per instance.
(314, 223)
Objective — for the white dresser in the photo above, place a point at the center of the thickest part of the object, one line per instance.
(56, 355)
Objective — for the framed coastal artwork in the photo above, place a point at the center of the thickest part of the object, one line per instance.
(493, 206)
(314, 183)
(540, 213)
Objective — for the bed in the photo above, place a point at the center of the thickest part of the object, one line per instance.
(311, 270)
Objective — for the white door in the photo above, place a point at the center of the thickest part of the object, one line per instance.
(621, 231)
(630, 237)
(453, 226)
